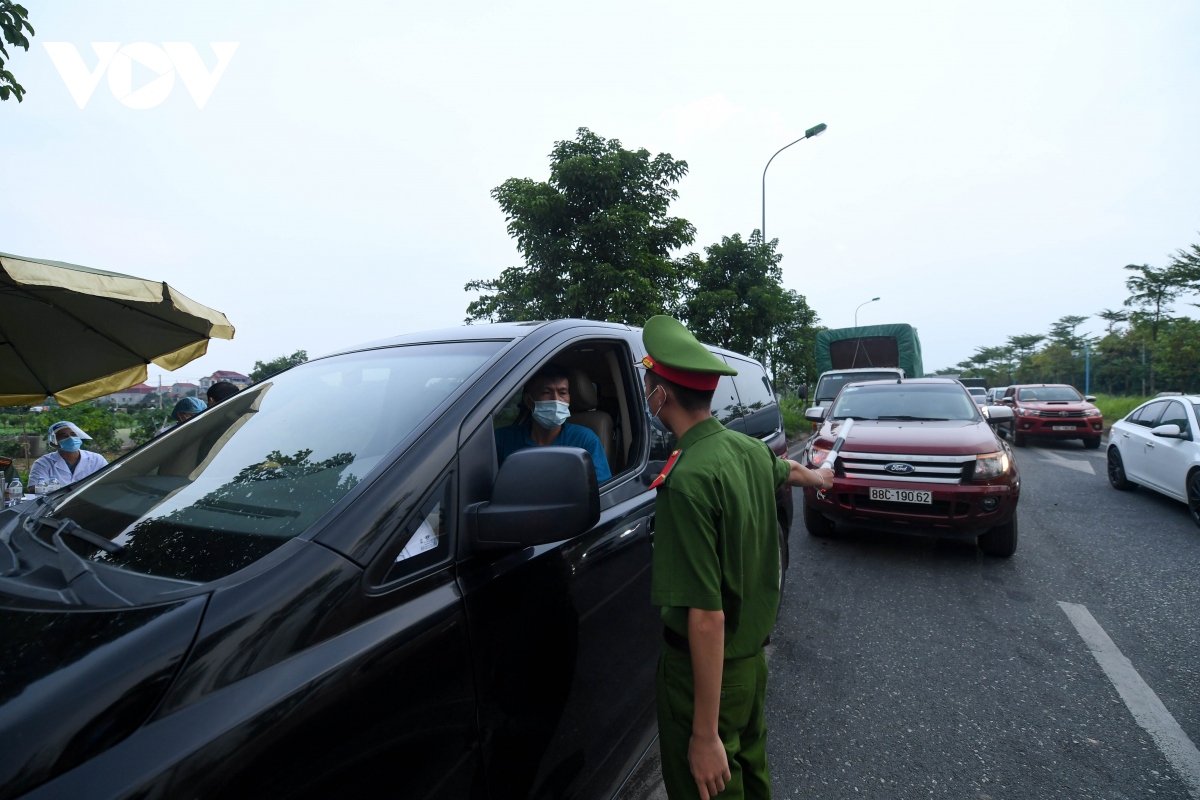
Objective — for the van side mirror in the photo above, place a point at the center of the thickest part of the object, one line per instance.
(815, 414)
(542, 495)
(998, 414)
(802, 391)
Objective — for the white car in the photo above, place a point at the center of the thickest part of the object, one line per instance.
(1155, 446)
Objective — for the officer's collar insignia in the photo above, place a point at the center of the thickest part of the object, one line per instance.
(670, 465)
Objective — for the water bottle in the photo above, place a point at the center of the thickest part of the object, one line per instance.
(41, 486)
(54, 485)
(15, 492)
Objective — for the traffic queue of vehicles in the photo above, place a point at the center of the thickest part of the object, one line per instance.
(281, 598)
(1053, 411)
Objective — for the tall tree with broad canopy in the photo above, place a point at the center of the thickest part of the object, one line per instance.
(14, 21)
(596, 237)
(735, 299)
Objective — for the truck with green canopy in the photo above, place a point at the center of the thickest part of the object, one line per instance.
(867, 353)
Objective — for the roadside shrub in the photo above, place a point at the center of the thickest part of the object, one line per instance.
(1114, 408)
(794, 423)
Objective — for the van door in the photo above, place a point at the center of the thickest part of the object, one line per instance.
(564, 639)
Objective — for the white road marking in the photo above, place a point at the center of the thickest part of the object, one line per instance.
(1140, 699)
(1055, 458)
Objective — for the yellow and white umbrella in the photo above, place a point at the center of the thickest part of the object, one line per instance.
(77, 333)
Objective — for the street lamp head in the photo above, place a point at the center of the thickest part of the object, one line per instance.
(873, 299)
(816, 130)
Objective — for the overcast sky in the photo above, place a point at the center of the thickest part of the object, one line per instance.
(987, 169)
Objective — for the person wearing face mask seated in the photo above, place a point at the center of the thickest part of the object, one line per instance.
(184, 410)
(69, 462)
(547, 398)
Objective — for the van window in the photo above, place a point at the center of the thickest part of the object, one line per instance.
(725, 405)
(222, 490)
(424, 540)
(759, 407)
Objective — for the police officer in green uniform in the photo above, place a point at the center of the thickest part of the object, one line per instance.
(716, 575)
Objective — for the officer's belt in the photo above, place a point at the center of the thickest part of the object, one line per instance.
(681, 642)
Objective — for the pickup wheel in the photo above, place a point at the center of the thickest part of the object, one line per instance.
(1000, 540)
(816, 523)
(1018, 439)
(1116, 471)
(1092, 442)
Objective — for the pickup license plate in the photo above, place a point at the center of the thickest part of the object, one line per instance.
(901, 496)
(1062, 427)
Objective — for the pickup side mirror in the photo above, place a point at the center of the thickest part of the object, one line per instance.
(998, 414)
(802, 391)
(542, 495)
(1008, 401)
(1170, 431)
(1091, 398)
(815, 414)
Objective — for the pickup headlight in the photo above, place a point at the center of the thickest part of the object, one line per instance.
(816, 456)
(1022, 412)
(1092, 412)
(991, 465)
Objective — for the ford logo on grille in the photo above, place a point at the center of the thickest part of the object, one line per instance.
(900, 469)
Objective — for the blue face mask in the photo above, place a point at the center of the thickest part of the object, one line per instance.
(655, 422)
(71, 444)
(550, 413)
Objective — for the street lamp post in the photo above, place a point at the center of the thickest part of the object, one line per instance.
(860, 305)
(816, 130)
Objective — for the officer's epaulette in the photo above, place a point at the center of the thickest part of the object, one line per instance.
(666, 470)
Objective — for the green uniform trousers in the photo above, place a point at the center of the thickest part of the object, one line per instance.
(741, 725)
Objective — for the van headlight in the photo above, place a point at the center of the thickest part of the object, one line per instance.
(990, 465)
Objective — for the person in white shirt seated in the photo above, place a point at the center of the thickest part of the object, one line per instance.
(69, 462)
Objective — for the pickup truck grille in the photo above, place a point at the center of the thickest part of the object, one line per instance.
(1059, 414)
(925, 469)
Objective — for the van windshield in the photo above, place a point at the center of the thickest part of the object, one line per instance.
(830, 385)
(224, 489)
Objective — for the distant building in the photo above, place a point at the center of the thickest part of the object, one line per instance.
(131, 396)
(183, 390)
(236, 378)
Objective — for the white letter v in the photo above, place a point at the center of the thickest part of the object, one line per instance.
(80, 82)
(196, 77)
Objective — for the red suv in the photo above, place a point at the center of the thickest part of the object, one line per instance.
(921, 458)
(1053, 410)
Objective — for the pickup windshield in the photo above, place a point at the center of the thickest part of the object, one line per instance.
(224, 489)
(906, 402)
(1049, 394)
(830, 385)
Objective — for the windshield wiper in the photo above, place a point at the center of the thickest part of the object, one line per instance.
(910, 418)
(79, 573)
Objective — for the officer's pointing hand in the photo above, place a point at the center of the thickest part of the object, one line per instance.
(709, 763)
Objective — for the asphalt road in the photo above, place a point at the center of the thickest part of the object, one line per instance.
(909, 667)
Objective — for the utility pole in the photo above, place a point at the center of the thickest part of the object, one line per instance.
(160, 392)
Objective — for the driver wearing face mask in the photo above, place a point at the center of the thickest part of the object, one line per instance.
(547, 399)
(69, 462)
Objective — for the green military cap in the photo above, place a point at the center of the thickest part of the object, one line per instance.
(676, 355)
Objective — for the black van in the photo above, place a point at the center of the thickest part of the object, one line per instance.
(324, 586)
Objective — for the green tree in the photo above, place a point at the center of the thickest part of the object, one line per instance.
(1153, 291)
(1112, 318)
(596, 237)
(14, 21)
(265, 369)
(734, 298)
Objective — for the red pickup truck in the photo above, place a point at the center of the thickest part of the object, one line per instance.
(922, 458)
(1053, 410)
